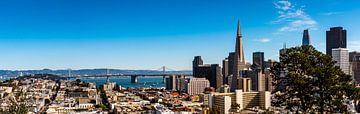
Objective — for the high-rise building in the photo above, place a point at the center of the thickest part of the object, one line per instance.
(202, 71)
(216, 76)
(171, 83)
(341, 56)
(197, 85)
(231, 62)
(181, 83)
(306, 37)
(335, 38)
(354, 58)
(239, 59)
(225, 70)
(196, 62)
(212, 72)
(258, 60)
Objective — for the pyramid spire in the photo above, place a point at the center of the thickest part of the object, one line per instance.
(238, 29)
(239, 59)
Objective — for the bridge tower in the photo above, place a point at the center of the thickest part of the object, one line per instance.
(134, 79)
(163, 71)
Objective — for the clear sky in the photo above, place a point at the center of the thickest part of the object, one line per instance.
(147, 34)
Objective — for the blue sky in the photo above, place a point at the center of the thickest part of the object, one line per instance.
(147, 34)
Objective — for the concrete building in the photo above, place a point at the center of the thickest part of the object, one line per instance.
(216, 78)
(212, 72)
(246, 100)
(258, 60)
(170, 83)
(335, 38)
(231, 63)
(225, 70)
(354, 58)
(197, 85)
(244, 84)
(341, 56)
(223, 103)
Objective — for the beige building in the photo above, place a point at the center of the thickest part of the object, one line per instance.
(197, 85)
(223, 103)
(246, 100)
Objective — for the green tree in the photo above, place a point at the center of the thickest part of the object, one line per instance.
(307, 80)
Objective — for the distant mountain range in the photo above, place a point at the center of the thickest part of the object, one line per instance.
(15, 73)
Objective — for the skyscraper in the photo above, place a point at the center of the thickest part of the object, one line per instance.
(216, 78)
(306, 37)
(341, 56)
(258, 60)
(231, 63)
(239, 59)
(354, 58)
(196, 62)
(335, 38)
(225, 70)
(171, 83)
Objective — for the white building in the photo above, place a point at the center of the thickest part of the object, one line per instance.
(341, 56)
(197, 85)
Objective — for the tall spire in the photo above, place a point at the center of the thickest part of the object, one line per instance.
(239, 59)
(238, 29)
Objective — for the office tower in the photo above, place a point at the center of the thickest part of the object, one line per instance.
(268, 81)
(216, 78)
(197, 85)
(212, 72)
(306, 37)
(181, 83)
(335, 38)
(223, 103)
(239, 59)
(354, 58)
(258, 60)
(196, 62)
(171, 83)
(231, 63)
(203, 71)
(225, 70)
(341, 56)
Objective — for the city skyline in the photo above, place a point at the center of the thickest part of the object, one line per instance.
(80, 35)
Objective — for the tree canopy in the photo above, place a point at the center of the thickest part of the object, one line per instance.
(307, 80)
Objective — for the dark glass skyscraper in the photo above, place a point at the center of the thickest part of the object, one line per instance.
(306, 37)
(258, 60)
(335, 38)
(196, 62)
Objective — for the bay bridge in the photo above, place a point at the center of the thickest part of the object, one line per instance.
(133, 76)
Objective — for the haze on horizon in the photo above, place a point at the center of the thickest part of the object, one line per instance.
(140, 34)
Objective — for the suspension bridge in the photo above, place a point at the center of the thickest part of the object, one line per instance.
(164, 72)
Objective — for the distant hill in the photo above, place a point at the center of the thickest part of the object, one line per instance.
(15, 73)
(42, 76)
